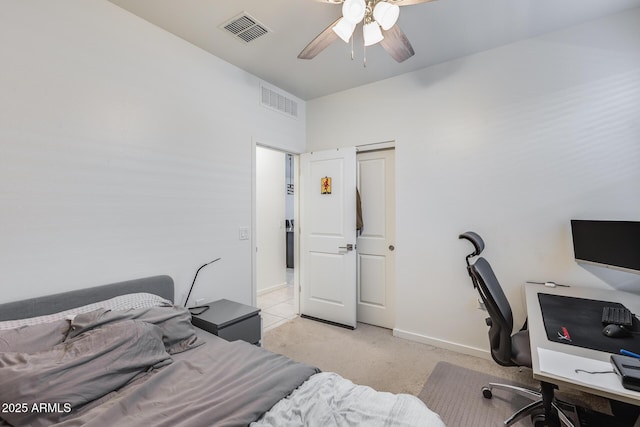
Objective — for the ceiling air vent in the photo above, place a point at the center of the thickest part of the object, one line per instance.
(245, 27)
(276, 101)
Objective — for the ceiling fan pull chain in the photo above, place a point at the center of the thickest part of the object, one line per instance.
(352, 56)
(364, 57)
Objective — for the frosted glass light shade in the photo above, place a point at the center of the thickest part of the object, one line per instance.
(386, 14)
(354, 10)
(371, 33)
(344, 29)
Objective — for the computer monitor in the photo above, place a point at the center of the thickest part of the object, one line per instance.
(613, 244)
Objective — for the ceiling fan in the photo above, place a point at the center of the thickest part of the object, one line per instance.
(378, 19)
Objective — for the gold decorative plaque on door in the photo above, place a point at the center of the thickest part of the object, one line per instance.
(325, 185)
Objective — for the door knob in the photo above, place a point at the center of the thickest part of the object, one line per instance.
(349, 247)
(391, 248)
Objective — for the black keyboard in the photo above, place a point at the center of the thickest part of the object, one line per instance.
(617, 316)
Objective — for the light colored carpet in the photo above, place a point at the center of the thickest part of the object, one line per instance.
(372, 356)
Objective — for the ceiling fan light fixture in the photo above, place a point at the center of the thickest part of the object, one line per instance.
(372, 33)
(386, 14)
(344, 29)
(354, 10)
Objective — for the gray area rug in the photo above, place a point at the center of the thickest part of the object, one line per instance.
(455, 393)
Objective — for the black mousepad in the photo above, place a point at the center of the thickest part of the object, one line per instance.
(578, 321)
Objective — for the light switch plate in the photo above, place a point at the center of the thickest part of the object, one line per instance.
(243, 233)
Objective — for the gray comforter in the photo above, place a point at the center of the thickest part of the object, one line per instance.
(114, 367)
(220, 383)
(148, 367)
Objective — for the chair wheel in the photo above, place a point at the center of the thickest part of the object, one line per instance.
(538, 419)
(486, 392)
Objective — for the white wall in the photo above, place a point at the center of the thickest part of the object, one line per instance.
(124, 152)
(270, 215)
(512, 143)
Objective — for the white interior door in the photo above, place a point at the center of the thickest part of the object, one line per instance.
(328, 235)
(376, 243)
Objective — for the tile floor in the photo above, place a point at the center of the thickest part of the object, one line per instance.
(277, 306)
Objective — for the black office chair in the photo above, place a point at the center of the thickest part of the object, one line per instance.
(508, 349)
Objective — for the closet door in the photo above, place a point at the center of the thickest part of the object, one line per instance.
(376, 244)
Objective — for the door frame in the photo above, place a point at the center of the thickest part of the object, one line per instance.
(374, 146)
(296, 214)
(383, 145)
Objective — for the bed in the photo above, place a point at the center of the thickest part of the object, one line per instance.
(124, 354)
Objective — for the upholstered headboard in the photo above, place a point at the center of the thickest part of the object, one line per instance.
(159, 285)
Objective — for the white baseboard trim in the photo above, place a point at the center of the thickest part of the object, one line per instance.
(271, 289)
(464, 349)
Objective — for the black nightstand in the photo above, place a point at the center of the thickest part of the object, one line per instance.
(231, 320)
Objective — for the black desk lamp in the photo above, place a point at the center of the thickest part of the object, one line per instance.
(201, 308)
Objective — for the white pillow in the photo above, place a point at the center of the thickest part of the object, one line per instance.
(122, 302)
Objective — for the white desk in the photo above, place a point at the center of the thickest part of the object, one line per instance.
(555, 362)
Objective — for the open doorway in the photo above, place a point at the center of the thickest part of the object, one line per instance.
(275, 237)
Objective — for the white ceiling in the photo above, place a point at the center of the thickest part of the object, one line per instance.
(439, 31)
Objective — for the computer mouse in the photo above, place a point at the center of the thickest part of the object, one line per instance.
(615, 331)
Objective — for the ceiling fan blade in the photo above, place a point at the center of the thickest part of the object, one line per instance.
(396, 44)
(408, 2)
(322, 40)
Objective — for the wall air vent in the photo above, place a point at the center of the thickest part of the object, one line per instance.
(276, 101)
(245, 27)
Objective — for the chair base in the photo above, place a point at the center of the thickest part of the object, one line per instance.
(534, 409)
